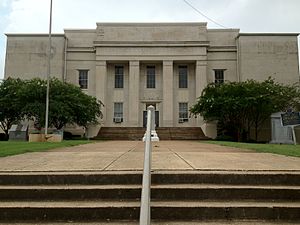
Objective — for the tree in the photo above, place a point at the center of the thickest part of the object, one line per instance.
(238, 106)
(67, 104)
(10, 103)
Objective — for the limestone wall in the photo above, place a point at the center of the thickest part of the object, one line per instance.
(264, 55)
(26, 56)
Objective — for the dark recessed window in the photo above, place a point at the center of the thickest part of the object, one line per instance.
(83, 79)
(118, 112)
(183, 76)
(150, 76)
(219, 76)
(183, 112)
(119, 76)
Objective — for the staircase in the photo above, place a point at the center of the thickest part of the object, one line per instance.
(214, 196)
(180, 133)
(164, 133)
(121, 133)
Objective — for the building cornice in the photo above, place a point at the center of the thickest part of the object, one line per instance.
(151, 44)
(153, 24)
(222, 48)
(222, 30)
(268, 34)
(80, 30)
(32, 35)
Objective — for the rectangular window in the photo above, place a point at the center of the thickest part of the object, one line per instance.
(118, 112)
(183, 76)
(83, 79)
(150, 76)
(119, 76)
(219, 76)
(183, 112)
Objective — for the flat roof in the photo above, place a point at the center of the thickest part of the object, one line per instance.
(268, 34)
(33, 35)
(153, 24)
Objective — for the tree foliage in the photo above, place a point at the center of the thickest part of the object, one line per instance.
(10, 103)
(27, 99)
(238, 106)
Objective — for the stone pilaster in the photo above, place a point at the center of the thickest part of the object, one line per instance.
(134, 83)
(201, 82)
(101, 85)
(201, 77)
(168, 94)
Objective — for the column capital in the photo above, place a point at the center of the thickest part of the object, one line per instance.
(201, 63)
(100, 63)
(134, 63)
(167, 62)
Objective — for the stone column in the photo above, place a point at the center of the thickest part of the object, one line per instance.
(101, 85)
(209, 129)
(167, 94)
(134, 84)
(201, 77)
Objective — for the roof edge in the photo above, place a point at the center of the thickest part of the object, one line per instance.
(268, 34)
(32, 34)
(151, 24)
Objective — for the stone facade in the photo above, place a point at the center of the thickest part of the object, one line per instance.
(182, 58)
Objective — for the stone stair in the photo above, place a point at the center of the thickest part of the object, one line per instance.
(180, 133)
(121, 133)
(200, 197)
(164, 133)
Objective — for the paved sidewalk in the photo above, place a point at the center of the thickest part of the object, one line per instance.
(167, 155)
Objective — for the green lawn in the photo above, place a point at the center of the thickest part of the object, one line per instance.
(289, 150)
(14, 148)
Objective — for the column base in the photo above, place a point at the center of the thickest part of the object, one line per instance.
(154, 136)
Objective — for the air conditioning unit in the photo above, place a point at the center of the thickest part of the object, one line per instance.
(118, 119)
(181, 120)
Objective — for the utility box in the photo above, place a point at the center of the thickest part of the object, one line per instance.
(18, 132)
(280, 134)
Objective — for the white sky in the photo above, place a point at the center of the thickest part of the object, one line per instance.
(32, 16)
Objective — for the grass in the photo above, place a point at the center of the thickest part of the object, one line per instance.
(8, 148)
(288, 150)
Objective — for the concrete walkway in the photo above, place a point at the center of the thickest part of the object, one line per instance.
(167, 155)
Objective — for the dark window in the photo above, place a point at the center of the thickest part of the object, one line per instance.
(119, 76)
(183, 76)
(118, 112)
(83, 79)
(150, 76)
(183, 112)
(219, 76)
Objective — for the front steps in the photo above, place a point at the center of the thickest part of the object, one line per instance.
(273, 197)
(164, 133)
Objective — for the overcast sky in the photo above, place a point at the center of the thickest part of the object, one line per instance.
(32, 16)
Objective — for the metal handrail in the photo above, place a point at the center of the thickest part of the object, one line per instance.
(145, 209)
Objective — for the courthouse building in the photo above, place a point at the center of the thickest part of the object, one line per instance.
(129, 66)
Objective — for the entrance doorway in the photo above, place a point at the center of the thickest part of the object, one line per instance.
(156, 115)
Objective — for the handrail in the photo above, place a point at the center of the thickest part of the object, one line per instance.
(145, 209)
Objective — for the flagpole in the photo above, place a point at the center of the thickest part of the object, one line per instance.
(48, 72)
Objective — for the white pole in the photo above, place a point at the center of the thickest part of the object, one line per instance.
(48, 72)
(294, 135)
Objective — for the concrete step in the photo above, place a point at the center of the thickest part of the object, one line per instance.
(217, 222)
(160, 210)
(161, 192)
(121, 133)
(159, 177)
(164, 133)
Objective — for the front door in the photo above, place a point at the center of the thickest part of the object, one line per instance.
(156, 118)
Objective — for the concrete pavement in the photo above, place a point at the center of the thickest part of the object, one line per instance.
(167, 155)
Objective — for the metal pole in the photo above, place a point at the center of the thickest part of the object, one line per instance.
(48, 72)
(294, 135)
(145, 210)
